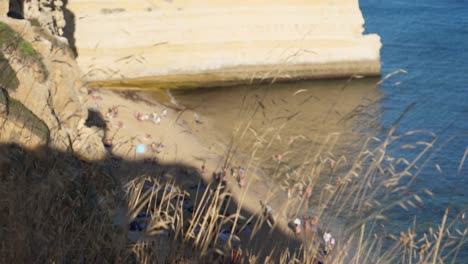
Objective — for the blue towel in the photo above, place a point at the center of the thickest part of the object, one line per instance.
(140, 148)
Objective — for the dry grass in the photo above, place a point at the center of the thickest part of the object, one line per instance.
(54, 212)
(372, 185)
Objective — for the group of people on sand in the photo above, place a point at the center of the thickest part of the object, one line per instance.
(222, 176)
(155, 117)
(310, 226)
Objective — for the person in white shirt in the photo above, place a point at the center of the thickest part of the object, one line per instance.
(329, 242)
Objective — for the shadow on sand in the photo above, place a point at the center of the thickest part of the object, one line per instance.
(56, 206)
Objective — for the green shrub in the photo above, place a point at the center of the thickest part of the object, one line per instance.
(8, 77)
(10, 41)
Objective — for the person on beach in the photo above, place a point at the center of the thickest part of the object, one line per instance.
(241, 177)
(242, 182)
(332, 165)
(297, 227)
(329, 242)
(233, 172)
(215, 176)
(330, 246)
(241, 172)
(219, 176)
(308, 192)
(300, 188)
(313, 225)
(290, 192)
(278, 157)
(267, 213)
(203, 170)
(224, 175)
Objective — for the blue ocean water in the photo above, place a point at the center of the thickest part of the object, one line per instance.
(428, 39)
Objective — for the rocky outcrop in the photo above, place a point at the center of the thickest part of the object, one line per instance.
(209, 42)
(48, 13)
(45, 106)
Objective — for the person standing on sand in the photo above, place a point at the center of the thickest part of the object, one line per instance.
(242, 181)
(224, 175)
(241, 177)
(215, 176)
(313, 224)
(329, 242)
(290, 192)
(297, 227)
(308, 192)
(267, 213)
(241, 172)
(203, 170)
(300, 188)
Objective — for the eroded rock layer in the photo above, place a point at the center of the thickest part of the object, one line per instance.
(186, 43)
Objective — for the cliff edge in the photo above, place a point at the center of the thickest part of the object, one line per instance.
(182, 43)
(41, 92)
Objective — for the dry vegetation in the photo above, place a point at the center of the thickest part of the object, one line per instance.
(57, 208)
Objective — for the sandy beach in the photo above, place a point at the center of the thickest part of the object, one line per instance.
(178, 138)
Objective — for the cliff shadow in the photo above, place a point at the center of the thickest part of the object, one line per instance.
(16, 9)
(96, 119)
(58, 206)
(70, 27)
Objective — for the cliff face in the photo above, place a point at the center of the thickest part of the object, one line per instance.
(40, 92)
(48, 13)
(211, 41)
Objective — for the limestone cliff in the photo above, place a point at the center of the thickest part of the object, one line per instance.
(40, 92)
(210, 42)
(48, 13)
